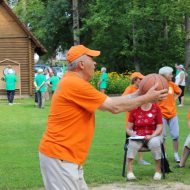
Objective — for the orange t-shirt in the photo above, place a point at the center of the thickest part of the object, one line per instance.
(71, 121)
(168, 106)
(129, 90)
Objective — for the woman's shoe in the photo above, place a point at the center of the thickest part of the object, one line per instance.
(144, 162)
(131, 176)
(176, 158)
(178, 166)
(157, 176)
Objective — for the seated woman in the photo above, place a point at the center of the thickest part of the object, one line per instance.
(145, 121)
(186, 148)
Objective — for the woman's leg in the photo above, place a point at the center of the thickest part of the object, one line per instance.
(158, 166)
(133, 148)
(174, 132)
(186, 152)
(181, 97)
(39, 99)
(12, 95)
(182, 100)
(185, 155)
(36, 99)
(130, 165)
(43, 99)
(8, 96)
(154, 145)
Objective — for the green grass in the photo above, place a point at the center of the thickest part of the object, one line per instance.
(22, 126)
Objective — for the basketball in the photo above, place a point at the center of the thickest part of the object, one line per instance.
(150, 80)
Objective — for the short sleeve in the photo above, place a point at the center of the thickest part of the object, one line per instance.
(158, 116)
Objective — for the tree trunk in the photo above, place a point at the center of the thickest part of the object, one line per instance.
(166, 30)
(76, 37)
(187, 47)
(135, 58)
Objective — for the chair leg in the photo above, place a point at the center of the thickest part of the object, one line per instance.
(163, 160)
(124, 163)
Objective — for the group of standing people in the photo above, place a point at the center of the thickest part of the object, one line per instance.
(42, 80)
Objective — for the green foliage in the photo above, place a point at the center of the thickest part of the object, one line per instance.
(32, 15)
(50, 21)
(116, 82)
(57, 24)
(136, 30)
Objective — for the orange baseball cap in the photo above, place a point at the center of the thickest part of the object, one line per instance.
(137, 74)
(79, 50)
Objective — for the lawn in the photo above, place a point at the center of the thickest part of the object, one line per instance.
(22, 126)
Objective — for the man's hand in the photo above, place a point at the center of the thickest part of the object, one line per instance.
(147, 137)
(133, 133)
(156, 95)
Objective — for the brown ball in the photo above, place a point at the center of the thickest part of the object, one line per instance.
(150, 80)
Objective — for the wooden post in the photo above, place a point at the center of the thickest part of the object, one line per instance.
(30, 65)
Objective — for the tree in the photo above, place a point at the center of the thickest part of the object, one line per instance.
(134, 34)
(50, 21)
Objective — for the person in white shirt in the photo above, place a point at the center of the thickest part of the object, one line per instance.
(180, 81)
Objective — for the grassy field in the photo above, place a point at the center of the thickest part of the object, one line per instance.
(22, 126)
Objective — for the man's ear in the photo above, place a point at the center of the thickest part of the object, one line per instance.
(81, 65)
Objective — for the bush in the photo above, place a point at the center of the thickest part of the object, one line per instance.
(116, 82)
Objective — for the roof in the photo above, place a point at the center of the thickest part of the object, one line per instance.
(39, 48)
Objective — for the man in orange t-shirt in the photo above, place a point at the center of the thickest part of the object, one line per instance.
(168, 109)
(71, 121)
(136, 78)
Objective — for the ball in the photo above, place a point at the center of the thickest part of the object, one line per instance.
(150, 80)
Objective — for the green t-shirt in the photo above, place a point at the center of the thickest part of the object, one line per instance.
(104, 79)
(39, 79)
(54, 81)
(10, 80)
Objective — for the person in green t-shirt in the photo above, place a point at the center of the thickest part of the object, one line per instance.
(10, 80)
(54, 79)
(102, 84)
(39, 83)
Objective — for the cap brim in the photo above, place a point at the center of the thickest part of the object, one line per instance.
(137, 76)
(93, 53)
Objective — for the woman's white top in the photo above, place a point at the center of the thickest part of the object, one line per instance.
(177, 79)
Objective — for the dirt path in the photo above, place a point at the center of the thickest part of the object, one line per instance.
(132, 186)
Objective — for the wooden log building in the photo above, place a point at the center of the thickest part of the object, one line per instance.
(17, 48)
